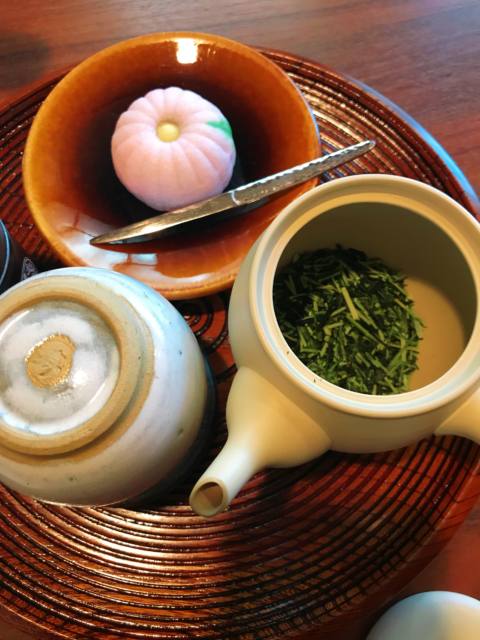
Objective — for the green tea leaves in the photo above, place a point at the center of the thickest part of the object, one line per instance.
(349, 319)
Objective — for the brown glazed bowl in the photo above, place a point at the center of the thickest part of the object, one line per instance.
(71, 186)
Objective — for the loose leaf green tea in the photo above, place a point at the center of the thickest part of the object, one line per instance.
(349, 319)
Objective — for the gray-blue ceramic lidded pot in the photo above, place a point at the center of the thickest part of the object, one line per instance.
(15, 265)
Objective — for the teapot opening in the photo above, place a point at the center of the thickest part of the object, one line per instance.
(438, 276)
(208, 499)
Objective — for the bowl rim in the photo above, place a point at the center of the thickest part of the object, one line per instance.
(7, 254)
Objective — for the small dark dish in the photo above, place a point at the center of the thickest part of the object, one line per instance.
(15, 265)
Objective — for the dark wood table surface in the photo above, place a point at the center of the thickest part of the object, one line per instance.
(423, 55)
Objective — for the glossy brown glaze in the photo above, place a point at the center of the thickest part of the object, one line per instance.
(306, 551)
(71, 185)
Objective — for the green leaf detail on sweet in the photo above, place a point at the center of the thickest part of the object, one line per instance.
(224, 126)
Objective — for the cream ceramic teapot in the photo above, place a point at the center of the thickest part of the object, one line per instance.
(279, 413)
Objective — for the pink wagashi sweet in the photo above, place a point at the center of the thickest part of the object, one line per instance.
(173, 148)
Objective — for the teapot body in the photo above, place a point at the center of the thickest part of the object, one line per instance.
(348, 431)
(279, 413)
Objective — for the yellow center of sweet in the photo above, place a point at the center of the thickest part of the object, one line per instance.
(49, 362)
(167, 131)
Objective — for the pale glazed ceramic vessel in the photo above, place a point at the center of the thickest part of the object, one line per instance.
(150, 418)
(434, 615)
(70, 182)
(279, 413)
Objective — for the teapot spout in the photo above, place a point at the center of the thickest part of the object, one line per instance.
(265, 429)
(229, 472)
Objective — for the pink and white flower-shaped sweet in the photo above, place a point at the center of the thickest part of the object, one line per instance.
(173, 148)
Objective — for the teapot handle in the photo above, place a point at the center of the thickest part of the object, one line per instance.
(465, 421)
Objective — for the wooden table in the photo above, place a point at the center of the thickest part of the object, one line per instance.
(425, 56)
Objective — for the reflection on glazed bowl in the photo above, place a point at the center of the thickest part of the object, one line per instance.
(71, 186)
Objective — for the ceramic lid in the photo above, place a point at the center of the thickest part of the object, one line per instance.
(434, 615)
(71, 355)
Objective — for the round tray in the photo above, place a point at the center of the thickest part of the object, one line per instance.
(321, 545)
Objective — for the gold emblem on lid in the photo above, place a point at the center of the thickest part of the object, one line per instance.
(49, 362)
